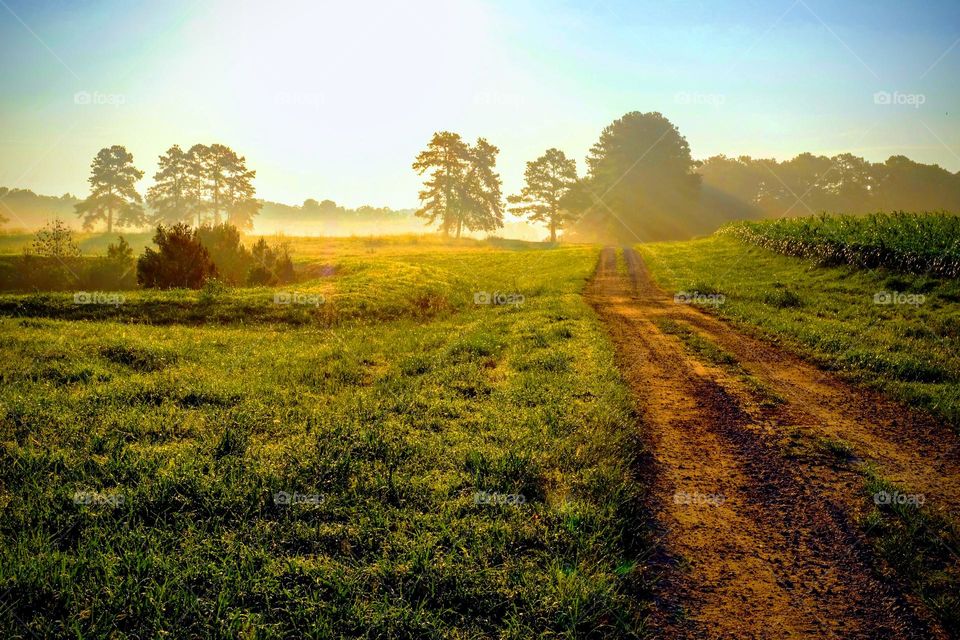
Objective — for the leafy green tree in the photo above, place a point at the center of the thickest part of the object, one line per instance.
(640, 178)
(112, 191)
(169, 197)
(446, 157)
(549, 180)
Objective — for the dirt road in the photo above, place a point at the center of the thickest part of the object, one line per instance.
(756, 542)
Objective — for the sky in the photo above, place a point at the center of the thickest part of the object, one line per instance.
(335, 99)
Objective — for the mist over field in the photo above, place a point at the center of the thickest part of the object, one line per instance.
(479, 319)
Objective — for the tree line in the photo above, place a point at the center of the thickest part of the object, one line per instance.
(208, 184)
(622, 186)
(844, 183)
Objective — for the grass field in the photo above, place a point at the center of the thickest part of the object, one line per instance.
(897, 332)
(456, 469)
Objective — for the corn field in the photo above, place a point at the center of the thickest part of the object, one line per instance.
(922, 243)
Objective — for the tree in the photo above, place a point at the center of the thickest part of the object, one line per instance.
(169, 197)
(549, 180)
(640, 178)
(220, 187)
(112, 191)
(446, 158)
(180, 260)
(116, 270)
(197, 161)
(55, 241)
(480, 197)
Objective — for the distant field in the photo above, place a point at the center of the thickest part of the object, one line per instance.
(457, 469)
(895, 331)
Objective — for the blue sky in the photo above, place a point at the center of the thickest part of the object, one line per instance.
(334, 100)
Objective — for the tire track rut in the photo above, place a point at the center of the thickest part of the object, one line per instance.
(753, 545)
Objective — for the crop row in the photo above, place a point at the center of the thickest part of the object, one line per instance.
(923, 243)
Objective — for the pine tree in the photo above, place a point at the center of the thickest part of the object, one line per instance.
(549, 180)
(113, 197)
(169, 197)
(447, 158)
(219, 186)
(480, 191)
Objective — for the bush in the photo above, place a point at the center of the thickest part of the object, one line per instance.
(231, 258)
(115, 271)
(272, 265)
(180, 260)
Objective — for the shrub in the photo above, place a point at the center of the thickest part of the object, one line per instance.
(115, 271)
(231, 258)
(271, 265)
(180, 260)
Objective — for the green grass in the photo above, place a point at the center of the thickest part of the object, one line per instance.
(829, 314)
(909, 242)
(922, 546)
(180, 432)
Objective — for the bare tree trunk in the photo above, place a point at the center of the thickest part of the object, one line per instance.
(553, 231)
(459, 227)
(109, 220)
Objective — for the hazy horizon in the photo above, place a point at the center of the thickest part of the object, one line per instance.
(334, 101)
